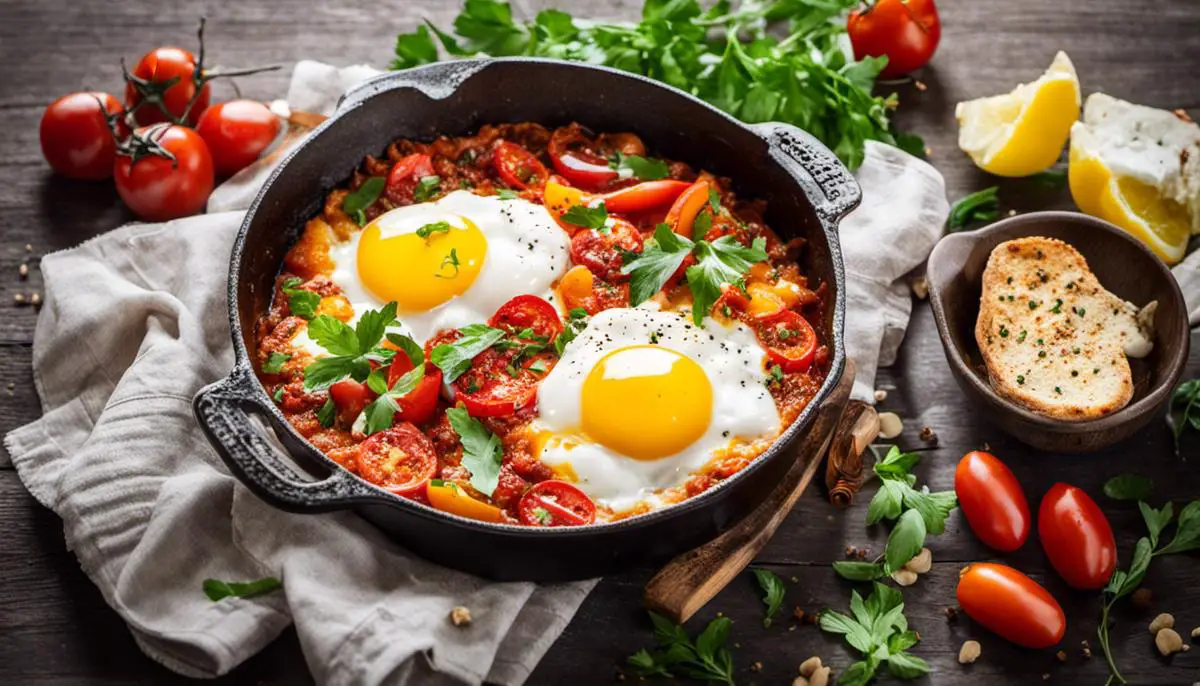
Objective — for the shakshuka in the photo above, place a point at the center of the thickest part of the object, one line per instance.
(540, 327)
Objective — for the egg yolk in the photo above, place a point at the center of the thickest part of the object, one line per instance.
(646, 402)
(421, 272)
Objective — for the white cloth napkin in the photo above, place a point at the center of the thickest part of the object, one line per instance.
(134, 323)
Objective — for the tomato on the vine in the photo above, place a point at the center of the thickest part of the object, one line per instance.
(148, 90)
(166, 172)
(237, 132)
(905, 31)
(76, 139)
(1077, 537)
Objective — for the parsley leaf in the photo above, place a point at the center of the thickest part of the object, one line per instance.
(274, 363)
(980, 206)
(433, 227)
(705, 659)
(651, 268)
(454, 359)
(878, 629)
(416, 354)
(352, 349)
(701, 225)
(426, 188)
(357, 202)
(773, 590)
(577, 320)
(450, 261)
(217, 590)
(858, 571)
(722, 261)
(302, 303)
(482, 453)
(588, 217)
(643, 168)
(380, 413)
(1129, 487)
(507, 194)
(327, 413)
(1186, 398)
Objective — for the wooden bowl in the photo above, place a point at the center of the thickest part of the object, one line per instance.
(1122, 264)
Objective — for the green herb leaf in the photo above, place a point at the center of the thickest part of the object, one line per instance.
(577, 320)
(887, 502)
(587, 217)
(334, 335)
(905, 666)
(1054, 178)
(327, 413)
(433, 227)
(416, 354)
(1187, 531)
(217, 590)
(414, 49)
(773, 592)
(636, 166)
(856, 634)
(659, 259)
(274, 363)
(858, 571)
(277, 396)
(507, 194)
(722, 261)
(905, 540)
(859, 673)
(357, 202)
(482, 453)
(701, 226)
(933, 507)
(980, 206)
(452, 262)
(426, 188)
(454, 359)
(705, 659)
(302, 303)
(1129, 487)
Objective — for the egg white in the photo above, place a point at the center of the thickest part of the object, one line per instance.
(733, 360)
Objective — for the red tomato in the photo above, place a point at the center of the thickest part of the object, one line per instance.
(419, 404)
(1011, 604)
(154, 70)
(400, 459)
(992, 501)
(405, 175)
(575, 160)
(237, 132)
(683, 212)
(601, 252)
(157, 188)
(789, 339)
(556, 503)
(528, 312)
(905, 31)
(1077, 537)
(518, 167)
(76, 140)
(488, 389)
(350, 397)
(644, 196)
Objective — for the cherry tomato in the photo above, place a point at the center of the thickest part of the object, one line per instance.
(405, 175)
(400, 459)
(644, 196)
(573, 158)
(528, 312)
(157, 67)
(556, 503)
(992, 501)
(683, 212)
(76, 140)
(789, 339)
(418, 405)
(518, 167)
(1011, 604)
(157, 188)
(1077, 537)
(237, 132)
(602, 252)
(905, 31)
(350, 397)
(491, 389)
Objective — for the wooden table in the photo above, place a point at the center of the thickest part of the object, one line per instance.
(54, 626)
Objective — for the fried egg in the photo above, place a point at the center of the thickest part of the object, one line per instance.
(448, 263)
(643, 398)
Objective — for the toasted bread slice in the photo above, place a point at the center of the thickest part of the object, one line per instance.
(1053, 339)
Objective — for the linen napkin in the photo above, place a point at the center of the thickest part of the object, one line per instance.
(151, 512)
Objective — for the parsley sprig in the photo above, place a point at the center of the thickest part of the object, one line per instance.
(352, 349)
(302, 303)
(356, 203)
(636, 166)
(877, 628)
(706, 658)
(806, 78)
(588, 217)
(773, 592)
(454, 359)
(722, 261)
(980, 206)
(482, 452)
(216, 589)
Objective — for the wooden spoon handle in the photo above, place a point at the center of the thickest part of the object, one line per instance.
(689, 581)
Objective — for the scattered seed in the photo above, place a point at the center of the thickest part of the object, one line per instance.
(620, 675)
(800, 681)
(1012, 213)
(1195, 632)
(798, 614)
(820, 677)
(921, 563)
(863, 552)
(1061, 656)
(920, 85)
(35, 299)
(928, 435)
(809, 666)
(28, 247)
(851, 551)
(19, 299)
(460, 616)
(1163, 621)
(1141, 598)
(1085, 649)
(1168, 641)
(890, 425)
(920, 284)
(969, 652)
(23, 270)
(904, 577)
(756, 667)
(1046, 676)
(951, 614)
(928, 151)
(880, 395)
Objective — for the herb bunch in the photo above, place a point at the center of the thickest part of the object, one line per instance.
(706, 658)
(877, 628)
(724, 55)
(1185, 400)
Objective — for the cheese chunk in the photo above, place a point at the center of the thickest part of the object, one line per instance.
(1053, 339)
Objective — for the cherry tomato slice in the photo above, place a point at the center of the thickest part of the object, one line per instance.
(1077, 537)
(404, 176)
(789, 339)
(75, 137)
(555, 503)
(350, 397)
(907, 32)
(419, 404)
(518, 167)
(490, 389)
(992, 501)
(1011, 604)
(237, 132)
(400, 459)
(644, 196)
(682, 214)
(579, 166)
(528, 312)
(601, 253)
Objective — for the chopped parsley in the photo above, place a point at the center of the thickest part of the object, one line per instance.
(482, 452)
(1020, 379)
(357, 202)
(1058, 390)
(1033, 304)
(352, 349)
(576, 322)
(1041, 353)
(588, 217)
(327, 413)
(426, 188)
(1057, 306)
(1021, 336)
(454, 359)
(450, 261)
(302, 303)
(776, 375)
(507, 194)
(434, 227)
(274, 363)
(643, 168)
(1079, 311)
(981, 206)
(277, 396)
(1003, 331)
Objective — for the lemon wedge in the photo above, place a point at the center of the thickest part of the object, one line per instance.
(1022, 132)
(1139, 168)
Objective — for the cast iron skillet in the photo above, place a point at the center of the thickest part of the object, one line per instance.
(807, 191)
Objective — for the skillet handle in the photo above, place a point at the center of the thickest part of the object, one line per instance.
(815, 168)
(221, 409)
